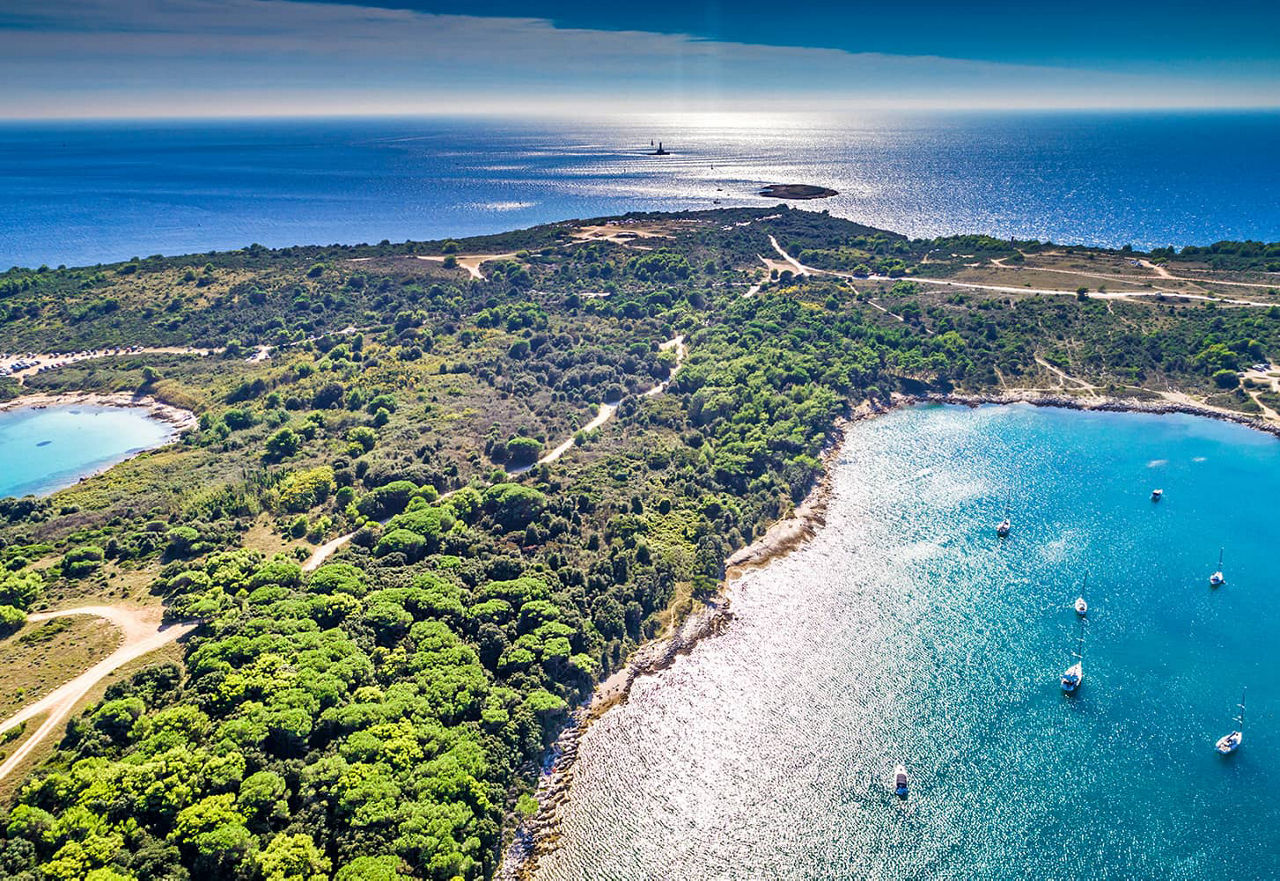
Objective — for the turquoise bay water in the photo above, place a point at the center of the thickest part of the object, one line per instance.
(906, 631)
(46, 450)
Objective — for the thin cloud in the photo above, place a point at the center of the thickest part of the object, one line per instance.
(266, 57)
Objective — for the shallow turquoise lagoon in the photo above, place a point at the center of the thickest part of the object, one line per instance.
(42, 450)
(906, 631)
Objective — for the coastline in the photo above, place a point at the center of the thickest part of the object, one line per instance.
(538, 835)
(1105, 404)
(178, 420)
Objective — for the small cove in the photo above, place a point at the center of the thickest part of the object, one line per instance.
(44, 449)
(905, 631)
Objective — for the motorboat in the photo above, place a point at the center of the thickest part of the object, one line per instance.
(900, 781)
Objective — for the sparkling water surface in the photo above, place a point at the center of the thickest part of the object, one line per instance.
(908, 632)
(97, 192)
(42, 450)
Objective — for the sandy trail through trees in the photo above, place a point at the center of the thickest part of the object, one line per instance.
(144, 631)
(603, 415)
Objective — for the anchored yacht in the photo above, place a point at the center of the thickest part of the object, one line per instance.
(1074, 675)
(1217, 579)
(1229, 743)
(900, 781)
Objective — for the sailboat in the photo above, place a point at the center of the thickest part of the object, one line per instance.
(1229, 743)
(900, 787)
(1082, 608)
(1217, 579)
(1003, 527)
(1074, 674)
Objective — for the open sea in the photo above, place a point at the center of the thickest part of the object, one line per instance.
(82, 193)
(906, 631)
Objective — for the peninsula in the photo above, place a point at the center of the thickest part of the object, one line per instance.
(436, 493)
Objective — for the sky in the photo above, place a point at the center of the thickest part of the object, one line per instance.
(182, 58)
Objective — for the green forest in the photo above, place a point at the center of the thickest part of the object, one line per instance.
(385, 715)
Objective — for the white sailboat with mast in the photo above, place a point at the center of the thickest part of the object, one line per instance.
(1229, 743)
(1217, 579)
(1003, 527)
(1074, 675)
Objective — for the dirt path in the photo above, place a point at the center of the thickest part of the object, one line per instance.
(1054, 292)
(1067, 377)
(800, 268)
(471, 262)
(144, 632)
(603, 415)
(1158, 270)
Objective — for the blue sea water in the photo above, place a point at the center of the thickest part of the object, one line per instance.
(907, 632)
(81, 193)
(43, 450)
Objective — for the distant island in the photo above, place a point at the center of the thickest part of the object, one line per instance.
(797, 191)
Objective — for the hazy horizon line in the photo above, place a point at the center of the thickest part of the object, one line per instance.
(606, 115)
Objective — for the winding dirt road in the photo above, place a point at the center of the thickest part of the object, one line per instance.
(144, 632)
(603, 415)
(800, 268)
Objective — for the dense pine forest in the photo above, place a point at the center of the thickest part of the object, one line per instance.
(384, 714)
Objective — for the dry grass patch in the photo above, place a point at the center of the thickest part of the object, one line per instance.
(41, 656)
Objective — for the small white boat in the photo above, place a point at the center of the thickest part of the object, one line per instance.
(900, 781)
(1229, 743)
(1074, 675)
(1156, 494)
(1003, 527)
(1217, 579)
(1081, 607)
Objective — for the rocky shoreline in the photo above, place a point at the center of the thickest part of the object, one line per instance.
(539, 835)
(1102, 404)
(180, 420)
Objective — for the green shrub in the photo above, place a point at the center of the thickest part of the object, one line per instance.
(11, 619)
(82, 561)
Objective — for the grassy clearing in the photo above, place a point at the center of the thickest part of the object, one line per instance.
(41, 656)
